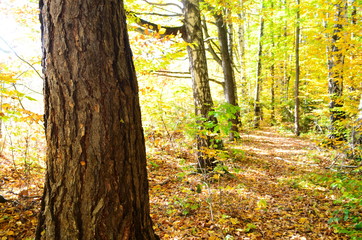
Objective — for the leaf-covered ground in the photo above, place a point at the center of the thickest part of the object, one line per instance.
(261, 196)
(261, 192)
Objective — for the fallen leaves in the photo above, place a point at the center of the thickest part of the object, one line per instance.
(260, 197)
(253, 204)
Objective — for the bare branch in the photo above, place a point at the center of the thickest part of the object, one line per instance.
(16, 54)
(171, 74)
(159, 14)
(157, 28)
(164, 4)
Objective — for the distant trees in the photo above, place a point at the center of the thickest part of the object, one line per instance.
(96, 181)
(282, 77)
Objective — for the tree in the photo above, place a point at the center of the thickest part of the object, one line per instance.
(257, 104)
(229, 80)
(96, 181)
(297, 74)
(335, 73)
(200, 81)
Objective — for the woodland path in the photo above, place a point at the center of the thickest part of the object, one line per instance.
(268, 194)
(266, 198)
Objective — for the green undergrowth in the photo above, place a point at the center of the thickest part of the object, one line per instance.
(346, 190)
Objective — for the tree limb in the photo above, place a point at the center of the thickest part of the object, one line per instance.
(166, 31)
(164, 4)
(22, 59)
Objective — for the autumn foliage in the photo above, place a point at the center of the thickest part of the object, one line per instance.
(268, 184)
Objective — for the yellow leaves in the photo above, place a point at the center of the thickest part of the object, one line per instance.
(161, 30)
(7, 78)
(234, 221)
(214, 238)
(303, 220)
(261, 204)
(216, 176)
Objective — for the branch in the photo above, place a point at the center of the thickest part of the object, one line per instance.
(170, 76)
(157, 28)
(165, 73)
(29, 64)
(164, 4)
(208, 39)
(216, 81)
(159, 14)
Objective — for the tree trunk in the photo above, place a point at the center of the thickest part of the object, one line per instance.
(229, 80)
(257, 105)
(96, 182)
(200, 81)
(335, 76)
(297, 74)
(242, 46)
(272, 71)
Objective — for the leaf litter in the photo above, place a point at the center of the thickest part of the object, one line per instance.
(258, 194)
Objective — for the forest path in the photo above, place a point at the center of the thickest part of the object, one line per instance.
(267, 196)
(284, 204)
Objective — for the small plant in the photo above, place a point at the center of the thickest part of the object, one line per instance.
(186, 206)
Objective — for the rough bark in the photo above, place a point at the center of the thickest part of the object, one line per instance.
(96, 182)
(200, 80)
(229, 80)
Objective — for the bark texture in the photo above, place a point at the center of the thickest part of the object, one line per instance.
(96, 183)
(200, 80)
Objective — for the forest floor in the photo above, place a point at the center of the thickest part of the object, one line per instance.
(264, 190)
(267, 192)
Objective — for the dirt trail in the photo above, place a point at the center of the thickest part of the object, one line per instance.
(266, 196)
(274, 168)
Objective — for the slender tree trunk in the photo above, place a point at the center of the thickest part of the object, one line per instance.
(357, 128)
(242, 45)
(272, 70)
(96, 182)
(229, 80)
(335, 75)
(272, 93)
(354, 12)
(286, 75)
(257, 104)
(297, 74)
(200, 81)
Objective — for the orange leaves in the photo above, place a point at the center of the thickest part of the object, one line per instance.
(250, 205)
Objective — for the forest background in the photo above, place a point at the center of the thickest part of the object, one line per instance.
(293, 65)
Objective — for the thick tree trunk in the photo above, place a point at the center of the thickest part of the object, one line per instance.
(335, 76)
(96, 183)
(229, 80)
(200, 81)
(297, 74)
